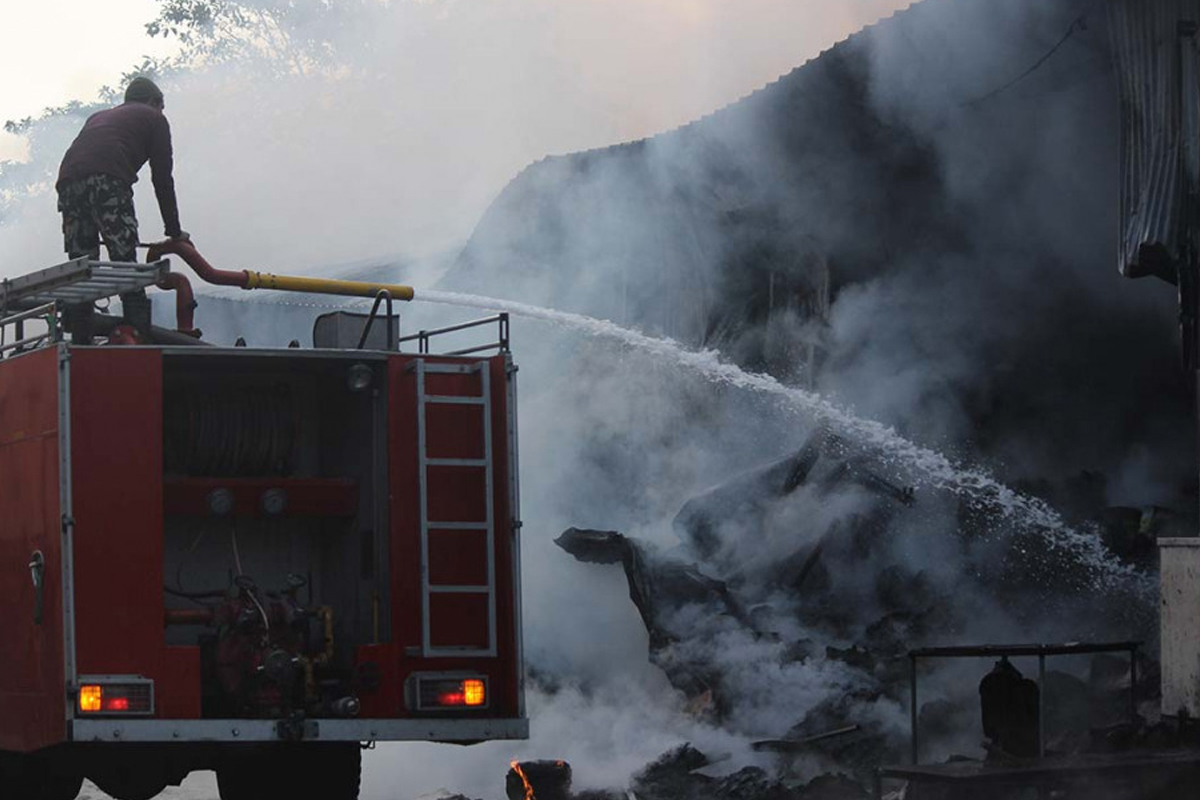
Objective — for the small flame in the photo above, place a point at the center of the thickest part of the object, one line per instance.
(521, 774)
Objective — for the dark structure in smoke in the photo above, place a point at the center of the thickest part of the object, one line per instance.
(870, 226)
(745, 590)
(903, 226)
(793, 567)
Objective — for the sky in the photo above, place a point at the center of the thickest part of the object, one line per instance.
(54, 51)
(503, 82)
(65, 50)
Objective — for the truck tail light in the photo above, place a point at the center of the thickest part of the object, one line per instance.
(91, 698)
(132, 697)
(474, 693)
(436, 693)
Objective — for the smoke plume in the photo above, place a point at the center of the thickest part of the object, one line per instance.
(970, 300)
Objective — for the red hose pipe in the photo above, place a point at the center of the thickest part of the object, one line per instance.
(207, 272)
(185, 301)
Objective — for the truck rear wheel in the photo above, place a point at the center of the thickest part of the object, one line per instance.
(129, 785)
(334, 770)
(38, 777)
(328, 770)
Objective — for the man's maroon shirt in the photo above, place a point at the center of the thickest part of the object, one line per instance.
(117, 142)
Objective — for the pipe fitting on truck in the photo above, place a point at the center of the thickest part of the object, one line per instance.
(250, 279)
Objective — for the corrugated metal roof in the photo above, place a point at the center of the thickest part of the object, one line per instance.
(1160, 121)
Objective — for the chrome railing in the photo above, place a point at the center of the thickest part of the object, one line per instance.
(47, 314)
(501, 344)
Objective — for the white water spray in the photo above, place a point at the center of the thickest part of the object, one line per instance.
(931, 467)
(936, 470)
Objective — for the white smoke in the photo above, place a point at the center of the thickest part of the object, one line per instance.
(436, 105)
(399, 156)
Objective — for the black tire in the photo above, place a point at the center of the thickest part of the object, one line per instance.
(241, 780)
(334, 770)
(63, 786)
(37, 777)
(12, 775)
(329, 771)
(129, 786)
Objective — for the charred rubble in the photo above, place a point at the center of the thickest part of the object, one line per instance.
(686, 773)
(730, 587)
(678, 774)
(799, 556)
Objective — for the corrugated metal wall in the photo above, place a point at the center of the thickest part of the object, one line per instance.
(1156, 67)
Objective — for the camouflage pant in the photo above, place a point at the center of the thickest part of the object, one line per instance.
(98, 207)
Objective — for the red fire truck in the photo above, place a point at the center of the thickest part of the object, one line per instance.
(256, 561)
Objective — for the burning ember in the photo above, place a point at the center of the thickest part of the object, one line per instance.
(529, 795)
(539, 780)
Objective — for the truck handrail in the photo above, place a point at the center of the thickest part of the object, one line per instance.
(383, 295)
(501, 345)
(49, 311)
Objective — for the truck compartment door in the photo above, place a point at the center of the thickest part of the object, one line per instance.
(32, 683)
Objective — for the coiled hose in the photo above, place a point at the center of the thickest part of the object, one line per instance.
(246, 431)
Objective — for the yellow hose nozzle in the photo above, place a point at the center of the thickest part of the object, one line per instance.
(292, 283)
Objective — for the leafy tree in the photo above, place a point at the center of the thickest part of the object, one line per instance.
(293, 36)
(279, 37)
(48, 134)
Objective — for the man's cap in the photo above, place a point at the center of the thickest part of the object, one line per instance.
(142, 90)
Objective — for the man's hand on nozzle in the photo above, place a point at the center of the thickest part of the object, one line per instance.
(182, 236)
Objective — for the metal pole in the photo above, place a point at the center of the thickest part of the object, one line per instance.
(392, 333)
(1041, 705)
(384, 294)
(1133, 684)
(912, 662)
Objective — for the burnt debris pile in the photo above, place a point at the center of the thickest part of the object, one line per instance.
(788, 611)
(758, 568)
(682, 773)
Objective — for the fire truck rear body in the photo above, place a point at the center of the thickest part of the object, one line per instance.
(233, 545)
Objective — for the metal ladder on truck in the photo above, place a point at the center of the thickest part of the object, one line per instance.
(41, 298)
(433, 529)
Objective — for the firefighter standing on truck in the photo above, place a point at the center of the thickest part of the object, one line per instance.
(95, 180)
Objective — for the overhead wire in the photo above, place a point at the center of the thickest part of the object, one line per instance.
(1078, 23)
